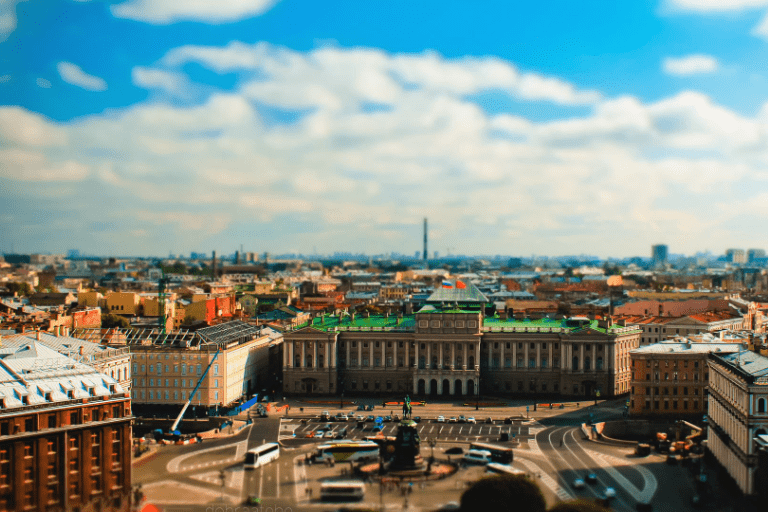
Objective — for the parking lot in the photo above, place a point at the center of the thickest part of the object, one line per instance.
(429, 428)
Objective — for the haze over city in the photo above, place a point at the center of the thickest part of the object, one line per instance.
(149, 127)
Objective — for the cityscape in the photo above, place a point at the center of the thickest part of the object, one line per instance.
(282, 255)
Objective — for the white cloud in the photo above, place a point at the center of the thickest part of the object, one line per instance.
(74, 75)
(153, 78)
(163, 12)
(761, 29)
(8, 18)
(338, 78)
(24, 165)
(716, 5)
(345, 173)
(690, 65)
(43, 83)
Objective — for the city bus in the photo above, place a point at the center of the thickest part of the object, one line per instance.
(500, 454)
(502, 469)
(264, 454)
(342, 491)
(348, 452)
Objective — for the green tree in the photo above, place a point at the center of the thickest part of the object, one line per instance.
(21, 288)
(109, 321)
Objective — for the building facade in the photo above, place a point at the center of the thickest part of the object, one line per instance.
(671, 378)
(738, 412)
(65, 432)
(458, 352)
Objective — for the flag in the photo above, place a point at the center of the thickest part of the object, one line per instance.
(460, 285)
(447, 284)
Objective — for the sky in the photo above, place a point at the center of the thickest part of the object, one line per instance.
(149, 127)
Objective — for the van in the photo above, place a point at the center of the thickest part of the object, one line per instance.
(477, 457)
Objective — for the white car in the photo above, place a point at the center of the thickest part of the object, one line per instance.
(610, 493)
(329, 433)
(441, 419)
(578, 484)
(453, 420)
(477, 457)
(471, 420)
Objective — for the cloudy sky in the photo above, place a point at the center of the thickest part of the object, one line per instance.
(148, 127)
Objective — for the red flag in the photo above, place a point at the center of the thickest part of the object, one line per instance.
(460, 284)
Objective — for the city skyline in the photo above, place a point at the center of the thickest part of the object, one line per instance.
(148, 127)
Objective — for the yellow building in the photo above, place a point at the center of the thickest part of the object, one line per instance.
(92, 299)
(123, 303)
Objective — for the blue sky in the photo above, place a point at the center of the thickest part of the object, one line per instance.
(553, 127)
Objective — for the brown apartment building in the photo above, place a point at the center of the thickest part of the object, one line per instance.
(671, 378)
(65, 433)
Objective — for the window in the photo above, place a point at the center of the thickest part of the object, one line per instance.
(532, 362)
(151, 382)
(761, 405)
(520, 363)
(215, 383)
(151, 368)
(183, 369)
(175, 383)
(544, 365)
(151, 397)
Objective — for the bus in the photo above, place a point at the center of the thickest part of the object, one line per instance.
(264, 454)
(500, 454)
(348, 452)
(342, 491)
(503, 469)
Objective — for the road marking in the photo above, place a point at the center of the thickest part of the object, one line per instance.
(190, 488)
(547, 480)
(607, 462)
(174, 464)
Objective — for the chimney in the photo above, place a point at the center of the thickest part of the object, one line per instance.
(82, 350)
(37, 335)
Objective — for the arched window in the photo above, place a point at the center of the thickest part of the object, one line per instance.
(761, 405)
(599, 363)
(297, 363)
(471, 361)
(458, 361)
(587, 363)
(320, 361)
(575, 363)
(422, 362)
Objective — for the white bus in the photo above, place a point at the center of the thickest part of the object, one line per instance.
(342, 491)
(502, 469)
(264, 454)
(348, 452)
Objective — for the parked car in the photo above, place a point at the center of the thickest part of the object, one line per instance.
(453, 420)
(441, 419)
(324, 416)
(388, 418)
(329, 434)
(477, 457)
(417, 419)
(591, 478)
(609, 493)
(319, 433)
(489, 420)
(370, 418)
(472, 420)
(578, 484)
(310, 434)
(376, 429)
(341, 434)
(462, 419)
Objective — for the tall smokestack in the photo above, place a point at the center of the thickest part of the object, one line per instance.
(213, 265)
(425, 238)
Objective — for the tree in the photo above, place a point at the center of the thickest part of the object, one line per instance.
(109, 320)
(21, 288)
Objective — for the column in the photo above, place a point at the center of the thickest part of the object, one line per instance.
(314, 355)
(332, 348)
(581, 356)
(452, 386)
(453, 357)
(439, 386)
(347, 344)
(501, 356)
(370, 354)
(416, 356)
(514, 355)
(290, 354)
(525, 355)
(359, 354)
(477, 355)
(407, 361)
(490, 355)
(440, 359)
(550, 355)
(303, 354)
(394, 353)
(464, 360)
(538, 355)
(429, 355)
(384, 353)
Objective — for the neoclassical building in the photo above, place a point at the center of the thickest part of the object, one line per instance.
(456, 350)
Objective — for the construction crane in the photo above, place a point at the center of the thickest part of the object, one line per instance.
(161, 285)
(192, 394)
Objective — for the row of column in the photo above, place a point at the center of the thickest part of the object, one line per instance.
(329, 352)
(439, 381)
(440, 356)
(566, 355)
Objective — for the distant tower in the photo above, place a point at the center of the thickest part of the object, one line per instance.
(659, 254)
(213, 265)
(425, 238)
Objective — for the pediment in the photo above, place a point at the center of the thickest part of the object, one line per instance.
(308, 332)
